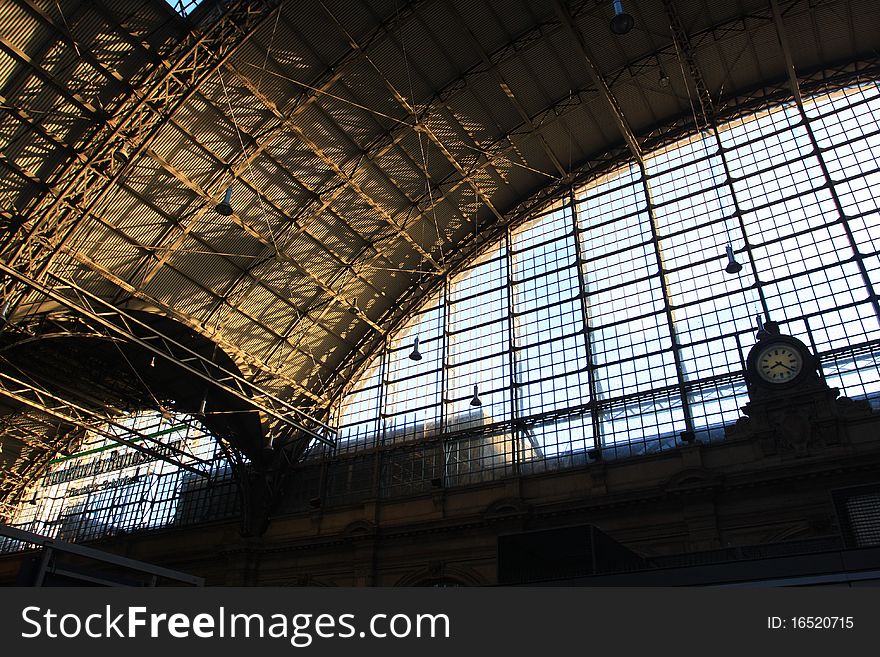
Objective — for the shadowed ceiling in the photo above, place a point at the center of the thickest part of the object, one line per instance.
(367, 144)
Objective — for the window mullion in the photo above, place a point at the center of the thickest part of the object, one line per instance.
(585, 318)
(820, 158)
(667, 306)
(511, 358)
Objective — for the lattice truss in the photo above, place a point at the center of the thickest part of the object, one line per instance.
(368, 146)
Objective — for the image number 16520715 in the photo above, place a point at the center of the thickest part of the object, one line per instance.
(810, 623)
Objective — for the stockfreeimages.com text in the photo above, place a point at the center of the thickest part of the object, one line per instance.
(300, 629)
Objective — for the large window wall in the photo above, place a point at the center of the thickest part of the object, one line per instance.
(106, 487)
(608, 326)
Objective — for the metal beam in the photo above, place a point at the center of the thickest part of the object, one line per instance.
(118, 322)
(239, 354)
(588, 59)
(34, 466)
(685, 53)
(786, 52)
(75, 99)
(66, 411)
(99, 555)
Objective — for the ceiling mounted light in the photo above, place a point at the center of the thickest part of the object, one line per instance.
(664, 80)
(415, 355)
(475, 400)
(224, 207)
(622, 22)
(733, 267)
(120, 157)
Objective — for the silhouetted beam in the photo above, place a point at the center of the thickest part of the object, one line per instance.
(71, 413)
(585, 54)
(120, 323)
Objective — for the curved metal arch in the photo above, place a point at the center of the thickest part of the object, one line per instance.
(755, 100)
(532, 198)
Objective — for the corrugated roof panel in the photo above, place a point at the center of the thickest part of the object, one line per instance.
(485, 27)
(256, 299)
(317, 32)
(340, 240)
(212, 271)
(21, 28)
(347, 109)
(357, 213)
(406, 173)
(424, 152)
(320, 129)
(29, 150)
(172, 288)
(487, 106)
(381, 190)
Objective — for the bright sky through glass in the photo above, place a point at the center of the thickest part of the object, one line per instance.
(106, 487)
(640, 256)
(183, 7)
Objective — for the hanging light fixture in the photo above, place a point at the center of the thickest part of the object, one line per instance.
(733, 267)
(622, 22)
(475, 400)
(415, 355)
(204, 403)
(152, 361)
(120, 158)
(224, 207)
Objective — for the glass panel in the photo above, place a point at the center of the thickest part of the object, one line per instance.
(105, 488)
(614, 324)
(183, 7)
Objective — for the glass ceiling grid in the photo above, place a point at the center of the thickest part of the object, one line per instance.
(617, 326)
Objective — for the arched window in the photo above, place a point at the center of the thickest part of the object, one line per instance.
(608, 325)
(106, 486)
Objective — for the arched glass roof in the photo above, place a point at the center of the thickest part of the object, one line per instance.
(367, 149)
(609, 324)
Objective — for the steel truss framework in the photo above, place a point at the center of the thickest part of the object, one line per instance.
(841, 333)
(308, 309)
(119, 323)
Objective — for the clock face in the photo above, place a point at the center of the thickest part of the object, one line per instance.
(779, 363)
